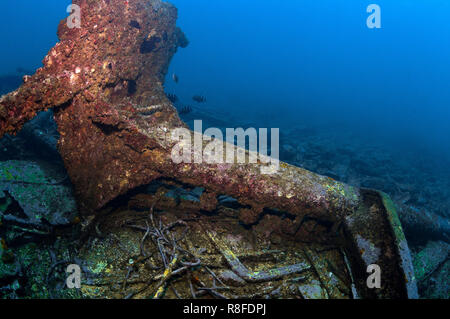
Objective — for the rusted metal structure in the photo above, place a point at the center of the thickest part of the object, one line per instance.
(104, 82)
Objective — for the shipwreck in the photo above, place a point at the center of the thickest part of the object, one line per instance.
(104, 82)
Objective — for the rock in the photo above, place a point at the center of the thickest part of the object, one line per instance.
(438, 285)
(38, 195)
(430, 258)
(422, 226)
(8, 271)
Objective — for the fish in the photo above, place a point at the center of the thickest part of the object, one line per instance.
(175, 78)
(185, 110)
(172, 97)
(199, 99)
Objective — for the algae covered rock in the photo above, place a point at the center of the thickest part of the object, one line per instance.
(432, 266)
(430, 258)
(437, 286)
(39, 195)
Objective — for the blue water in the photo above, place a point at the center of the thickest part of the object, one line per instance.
(294, 63)
(316, 61)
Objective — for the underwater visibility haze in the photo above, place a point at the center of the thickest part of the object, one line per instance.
(360, 93)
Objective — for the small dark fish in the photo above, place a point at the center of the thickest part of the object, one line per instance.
(185, 110)
(175, 78)
(172, 97)
(199, 99)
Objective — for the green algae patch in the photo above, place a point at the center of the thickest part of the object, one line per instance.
(430, 258)
(33, 275)
(392, 215)
(405, 255)
(99, 267)
(422, 265)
